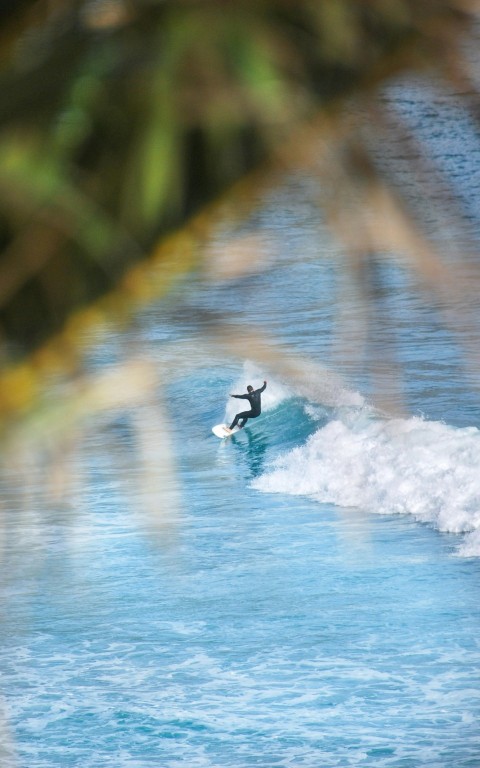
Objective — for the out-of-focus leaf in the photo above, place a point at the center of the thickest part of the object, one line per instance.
(34, 181)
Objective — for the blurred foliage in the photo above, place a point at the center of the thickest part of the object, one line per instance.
(121, 119)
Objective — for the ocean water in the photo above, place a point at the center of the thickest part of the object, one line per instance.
(309, 596)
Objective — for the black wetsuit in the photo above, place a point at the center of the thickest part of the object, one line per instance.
(255, 405)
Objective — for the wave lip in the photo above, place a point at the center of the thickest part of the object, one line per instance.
(402, 466)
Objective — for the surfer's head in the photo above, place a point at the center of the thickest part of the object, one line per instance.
(249, 388)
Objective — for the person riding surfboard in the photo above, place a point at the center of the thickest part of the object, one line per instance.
(254, 396)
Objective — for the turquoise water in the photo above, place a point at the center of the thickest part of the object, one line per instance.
(313, 601)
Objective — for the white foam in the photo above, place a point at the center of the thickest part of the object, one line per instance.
(401, 466)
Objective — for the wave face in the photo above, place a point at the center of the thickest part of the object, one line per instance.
(399, 466)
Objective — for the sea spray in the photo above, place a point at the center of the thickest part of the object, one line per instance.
(304, 379)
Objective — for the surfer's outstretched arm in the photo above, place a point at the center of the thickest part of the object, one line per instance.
(240, 397)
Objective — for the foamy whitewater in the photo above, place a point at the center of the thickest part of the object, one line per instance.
(387, 466)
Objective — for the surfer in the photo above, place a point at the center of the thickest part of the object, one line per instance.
(254, 396)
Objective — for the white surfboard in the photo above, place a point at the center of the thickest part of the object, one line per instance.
(220, 430)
